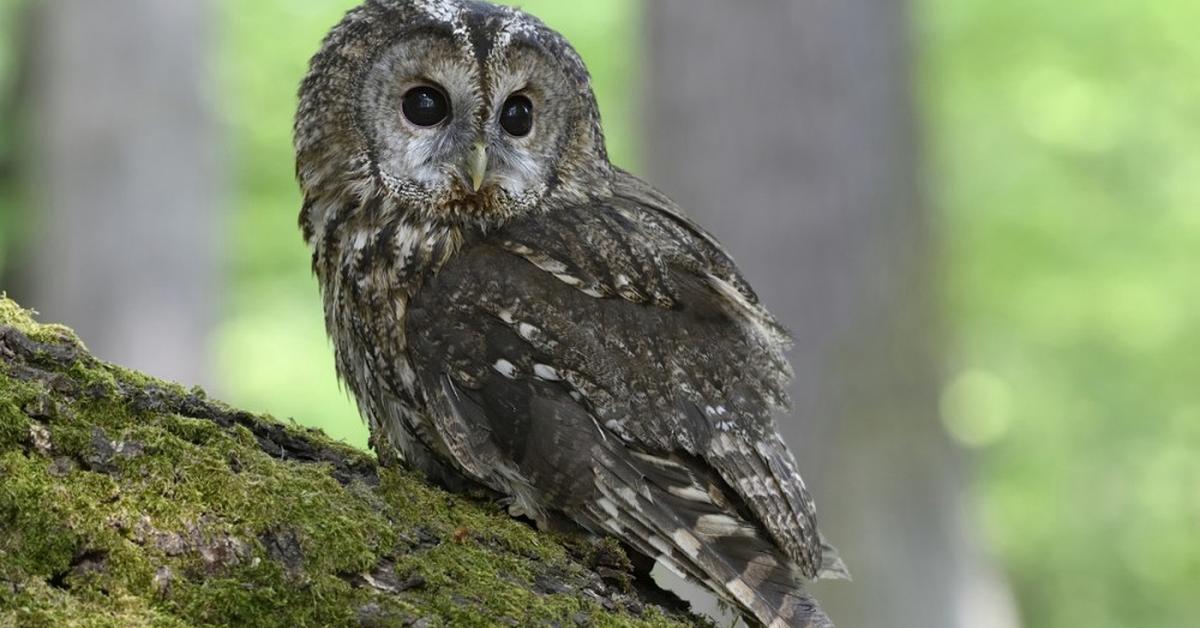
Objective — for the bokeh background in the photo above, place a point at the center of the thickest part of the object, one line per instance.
(981, 218)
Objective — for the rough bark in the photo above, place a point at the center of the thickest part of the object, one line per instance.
(127, 501)
(124, 178)
(787, 128)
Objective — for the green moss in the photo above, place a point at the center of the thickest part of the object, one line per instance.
(126, 501)
(17, 317)
(41, 605)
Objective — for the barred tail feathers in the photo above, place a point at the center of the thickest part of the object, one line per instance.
(670, 510)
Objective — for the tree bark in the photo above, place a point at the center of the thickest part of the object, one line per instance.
(787, 129)
(124, 178)
(128, 501)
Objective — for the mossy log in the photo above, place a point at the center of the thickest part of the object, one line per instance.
(128, 501)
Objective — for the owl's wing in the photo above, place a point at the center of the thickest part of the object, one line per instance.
(608, 361)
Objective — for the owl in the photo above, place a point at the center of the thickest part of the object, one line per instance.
(510, 310)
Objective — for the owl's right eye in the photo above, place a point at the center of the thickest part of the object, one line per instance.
(425, 105)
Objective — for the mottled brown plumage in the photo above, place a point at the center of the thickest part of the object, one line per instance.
(509, 309)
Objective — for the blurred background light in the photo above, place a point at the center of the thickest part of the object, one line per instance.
(1057, 205)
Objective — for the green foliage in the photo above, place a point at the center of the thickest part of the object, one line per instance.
(1064, 154)
(116, 509)
(9, 194)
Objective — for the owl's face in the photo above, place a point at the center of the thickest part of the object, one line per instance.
(460, 111)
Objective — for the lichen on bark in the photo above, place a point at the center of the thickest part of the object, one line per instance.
(128, 501)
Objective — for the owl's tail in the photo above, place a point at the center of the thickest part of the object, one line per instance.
(673, 511)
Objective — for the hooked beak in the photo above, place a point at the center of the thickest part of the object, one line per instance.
(477, 162)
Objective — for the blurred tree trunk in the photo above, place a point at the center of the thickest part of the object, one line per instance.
(124, 179)
(787, 128)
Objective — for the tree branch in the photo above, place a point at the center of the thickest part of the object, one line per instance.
(131, 501)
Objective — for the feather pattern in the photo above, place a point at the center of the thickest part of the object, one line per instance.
(557, 331)
(586, 364)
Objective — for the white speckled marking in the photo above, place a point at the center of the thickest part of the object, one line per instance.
(592, 292)
(690, 493)
(570, 280)
(687, 542)
(551, 266)
(722, 525)
(740, 591)
(607, 506)
(527, 331)
(360, 240)
(505, 368)
(547, 373)
(657, 461)
(409, 240)
(446, 11)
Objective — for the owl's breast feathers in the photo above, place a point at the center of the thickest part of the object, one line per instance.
(608, 363)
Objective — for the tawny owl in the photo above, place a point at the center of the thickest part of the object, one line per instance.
(510, 309)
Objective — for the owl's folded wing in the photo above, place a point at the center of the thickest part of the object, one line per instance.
(619, 332)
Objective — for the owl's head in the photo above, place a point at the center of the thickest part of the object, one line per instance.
(452, 111)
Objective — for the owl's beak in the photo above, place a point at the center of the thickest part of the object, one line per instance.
(477, 163)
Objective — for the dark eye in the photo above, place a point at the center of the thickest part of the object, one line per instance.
(516, 117)
(425, 106)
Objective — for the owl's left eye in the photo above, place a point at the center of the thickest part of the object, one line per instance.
(516, 117)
